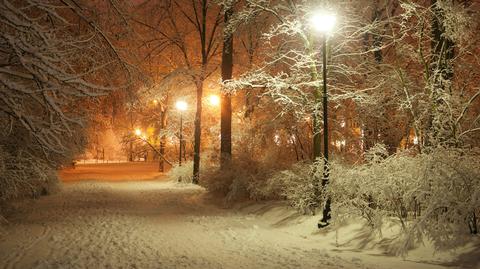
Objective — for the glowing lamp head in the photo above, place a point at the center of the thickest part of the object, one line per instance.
(181, 105)
(214, 100)
(138, 132)
(323, 22)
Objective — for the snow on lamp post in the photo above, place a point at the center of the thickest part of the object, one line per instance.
(323, 22)
(181, 106)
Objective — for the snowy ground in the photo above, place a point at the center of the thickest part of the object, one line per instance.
(162, 224)
(111, 172)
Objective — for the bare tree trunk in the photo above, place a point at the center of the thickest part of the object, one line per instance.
(226, 104)
(198, 132)
(130, 146)
(472, 223)
(130, 151)
(208, 45)
(202, 24)
(440, 130)
(163, 125)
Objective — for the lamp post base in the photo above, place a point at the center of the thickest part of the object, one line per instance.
(322, 224)
(325, 221)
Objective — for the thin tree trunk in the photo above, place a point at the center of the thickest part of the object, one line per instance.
(304, 153)
(163, 140)
(442, 49)
(198, 133)
(226, 104)
(199, 84)
(130, 146)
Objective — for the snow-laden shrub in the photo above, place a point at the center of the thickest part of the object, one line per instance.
(232, 181)
(295, 185)
(263, 178)
(24, 175)
(53, 75)
(434, 196)
(245, 176)
(183, 173)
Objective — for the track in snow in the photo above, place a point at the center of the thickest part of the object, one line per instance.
(151, 224)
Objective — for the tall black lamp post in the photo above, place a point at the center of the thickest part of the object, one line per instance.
(324, 23)
(181, 106)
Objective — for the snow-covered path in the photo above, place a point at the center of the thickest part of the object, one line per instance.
(157, 224)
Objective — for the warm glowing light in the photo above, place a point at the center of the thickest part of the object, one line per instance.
(181, 105)
(323, 22)
(340, 143)
(138, 132)
(214, 100)
(155, 102)
(277, 139)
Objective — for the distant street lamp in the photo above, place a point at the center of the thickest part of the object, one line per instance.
(181, 106)
(138, 132)
(324, 22)
(214, 100)
(140, 135)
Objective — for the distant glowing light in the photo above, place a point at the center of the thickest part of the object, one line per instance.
(340, 143)
(342, 123)
(415, 140)
(276, 139)
(293, 139)
(155, 101)
(214, 100)
(138, 132)
(323, 22)
(181, 105)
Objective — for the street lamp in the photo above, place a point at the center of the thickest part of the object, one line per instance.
(140, 135)
(138, 132)
(181, 106)
(214, 100)
(324, 22)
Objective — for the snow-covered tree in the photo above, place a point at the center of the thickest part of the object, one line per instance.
(54, 63)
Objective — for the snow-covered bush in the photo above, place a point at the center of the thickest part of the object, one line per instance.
(432, 196)
(245, 177)
(265, 179)
(294, 185)
(54, 64)
(24, 175)
(182, 173)
(233, 181)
